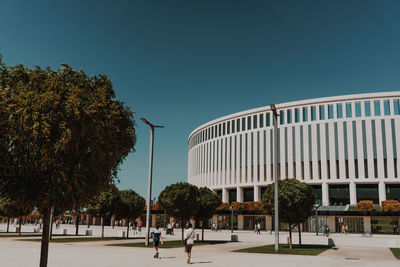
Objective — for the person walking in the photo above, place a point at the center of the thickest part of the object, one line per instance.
(156, 234)
(346, 229)
(258, 228)
(140, 226)
(189, 241)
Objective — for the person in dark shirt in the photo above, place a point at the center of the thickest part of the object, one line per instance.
(156, 239)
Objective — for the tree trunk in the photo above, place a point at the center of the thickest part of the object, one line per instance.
(44, 250)
(202, 231)
(8, 224)
(20, 224)
(127, 231)
(299, 234)
(77, 225)
(102, 227)
(290, 236)
(182, 228)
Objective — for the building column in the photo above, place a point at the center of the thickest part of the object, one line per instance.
(353, 193)
(215, 219)
(239, 197)
(257, 193)
(367, 224)
(240, 222)
(225, 197)
(268, 222)
(325, 194)
(153, 220)
(382, 192)
(332, 224)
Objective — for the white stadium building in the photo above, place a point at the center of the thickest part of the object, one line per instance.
(346, 147)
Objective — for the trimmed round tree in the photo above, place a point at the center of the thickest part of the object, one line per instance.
(62, 140)
(208, 202)
(180, 200)
(130, 206)
(105, 205)
(296, 202)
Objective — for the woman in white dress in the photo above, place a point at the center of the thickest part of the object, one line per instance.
(189, 241)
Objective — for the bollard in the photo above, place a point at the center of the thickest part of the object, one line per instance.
(122, 234)
(234, 238)
(89, 232)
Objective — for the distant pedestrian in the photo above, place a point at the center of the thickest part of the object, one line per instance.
(156, 240)
(189, 241)
(326, 230)
(346, 229)
(258, 228)
(134, 227)
(255, 228)
(213, 227)
(169, 229)
(140, 224)
(343, 229)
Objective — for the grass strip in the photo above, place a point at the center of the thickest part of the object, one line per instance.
(169, 244)
(79, 239)
(311, 250)
(396, 252)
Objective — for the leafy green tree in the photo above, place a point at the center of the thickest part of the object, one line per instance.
(130, 207)
(180, 200)
(14, 209)
(208, 202)
(105, 205)
(296, 201)
(62, 139)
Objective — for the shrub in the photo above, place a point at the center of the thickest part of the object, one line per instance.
(390, 205)
(365, 205)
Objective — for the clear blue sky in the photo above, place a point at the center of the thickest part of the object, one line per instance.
(183, 63)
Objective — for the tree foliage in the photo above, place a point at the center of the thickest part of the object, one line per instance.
(180, 201)
(63, 135)
(296, 201)
(13, 209)
(207, 202)
(106, 203)
(131, 204)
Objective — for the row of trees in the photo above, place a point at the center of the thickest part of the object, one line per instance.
(125, 204)
(13, 209)
(185, 201)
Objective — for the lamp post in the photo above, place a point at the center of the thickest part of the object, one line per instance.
(276, 206)
(150, 178)
(231, 208)
(316, 219)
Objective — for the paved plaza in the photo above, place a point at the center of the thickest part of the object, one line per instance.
(351, 250)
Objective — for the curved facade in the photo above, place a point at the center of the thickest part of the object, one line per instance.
(346, 147)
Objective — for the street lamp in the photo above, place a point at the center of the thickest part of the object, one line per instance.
(231, 208)
(150, 177)
(316, 218)
(276, 206)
